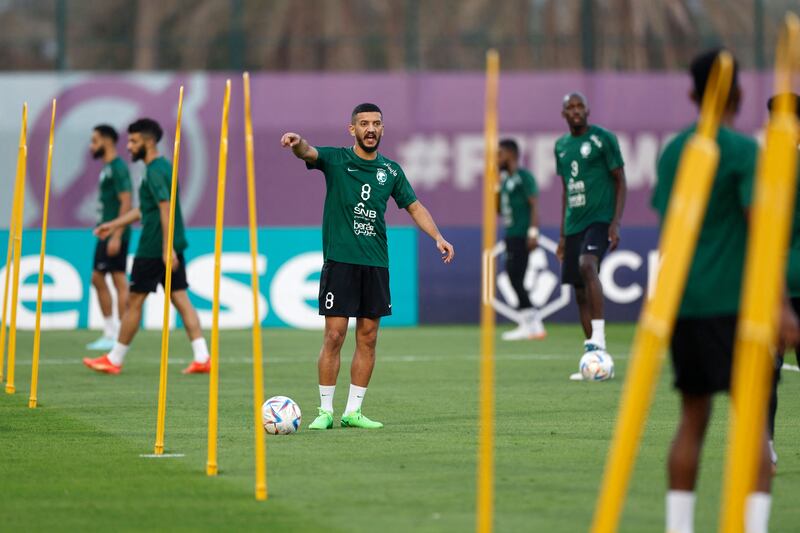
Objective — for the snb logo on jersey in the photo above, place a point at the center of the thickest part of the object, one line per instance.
(360, 211)
(381, 176)
(586, 149)
(392, 171)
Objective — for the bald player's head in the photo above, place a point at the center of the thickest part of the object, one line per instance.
(576, 95)
(575, 110)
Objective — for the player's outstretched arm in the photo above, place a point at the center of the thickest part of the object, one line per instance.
(107, 228)
(422, 218)
(299, 146)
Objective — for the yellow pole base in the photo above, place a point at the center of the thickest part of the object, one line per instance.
(261, 493)
(211, 469)
(32, 403)
(159, 449)
(10, 389)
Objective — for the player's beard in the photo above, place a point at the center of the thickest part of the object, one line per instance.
(139, 154)
(369, 149)
(99, 153)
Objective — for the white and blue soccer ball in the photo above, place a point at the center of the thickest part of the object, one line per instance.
(597, 366)
(281, 415)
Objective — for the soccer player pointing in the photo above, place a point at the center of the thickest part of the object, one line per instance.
(590, 165)
(355, 276)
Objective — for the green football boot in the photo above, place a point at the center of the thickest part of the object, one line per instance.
(323, 421)
(357, 420)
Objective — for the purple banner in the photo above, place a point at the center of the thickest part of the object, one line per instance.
(433, 129)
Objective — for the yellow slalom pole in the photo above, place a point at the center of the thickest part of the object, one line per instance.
(681, 229)
(213, 382)
(22, 158)
(485, 503)
(162, 382)
(258, 368)
(32, 401)
(10, 250)
(765, 270)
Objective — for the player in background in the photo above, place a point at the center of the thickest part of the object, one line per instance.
(111, 254)
(355, 275)
(703, 339)
(793, 288)
(517, 206)
(590, 166)
(149, 268)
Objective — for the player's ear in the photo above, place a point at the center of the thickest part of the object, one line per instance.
(352, 129)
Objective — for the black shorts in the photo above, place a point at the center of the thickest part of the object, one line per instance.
(593, 240)
(702, 354)
(103, 263)
(148, 272)
(354, 290)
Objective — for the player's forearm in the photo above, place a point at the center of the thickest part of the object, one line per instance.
(126, 219)
(303, 150)
(124, 208)
(563, 209)
(534, 212)
(424, 221)
(621, 188)
(163, 212)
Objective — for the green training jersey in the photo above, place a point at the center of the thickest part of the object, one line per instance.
(715, 276)
(114, 179)
(155, 188)
(353, 225)
(515, 193)
(585, 164)
(793, 267)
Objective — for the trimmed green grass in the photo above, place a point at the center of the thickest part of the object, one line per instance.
(74, 463)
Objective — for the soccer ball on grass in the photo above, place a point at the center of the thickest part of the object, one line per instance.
(597, 366)
(281, 415)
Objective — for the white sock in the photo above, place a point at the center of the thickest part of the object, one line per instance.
(680, 511)
(200, 350)
(326, 397)
(109, 327)
(756, 518)
(355, 398)
(117, 353)
(599, 333)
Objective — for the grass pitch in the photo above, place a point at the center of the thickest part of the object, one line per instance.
(74, 463)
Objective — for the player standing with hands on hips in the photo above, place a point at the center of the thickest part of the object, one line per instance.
(355, 276)
(590, 165)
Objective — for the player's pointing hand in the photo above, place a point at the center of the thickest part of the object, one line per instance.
(447, 250)
(290, 140)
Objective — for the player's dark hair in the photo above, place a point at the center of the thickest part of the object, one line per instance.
(104, 130)
(364, 108)
(510, 145)
(700, 70)
(796, 97)
(147, 126)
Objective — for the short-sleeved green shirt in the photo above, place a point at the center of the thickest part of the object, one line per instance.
(793, 267)
(114, 179)
(515, 193)
(585, 164)
(715, 277)
(353, 225)
(155, 188)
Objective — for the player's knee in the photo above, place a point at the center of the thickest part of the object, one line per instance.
(98, 279)
(368, 336)
(588, 267)
(334, 338)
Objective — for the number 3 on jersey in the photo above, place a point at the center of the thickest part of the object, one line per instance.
(574, 169)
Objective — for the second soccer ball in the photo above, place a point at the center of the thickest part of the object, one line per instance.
(597, 366)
